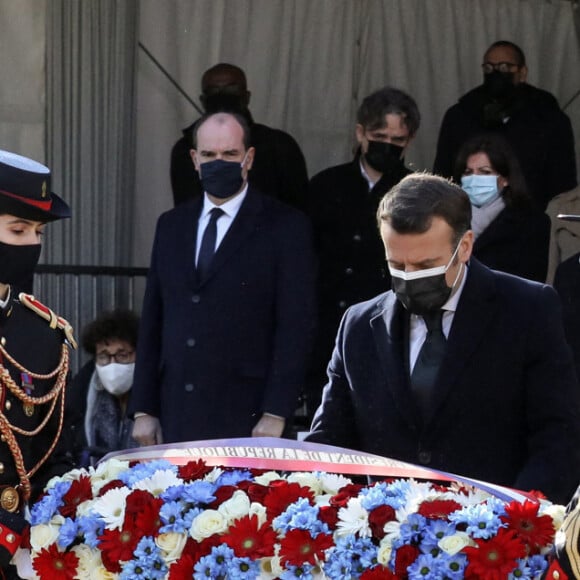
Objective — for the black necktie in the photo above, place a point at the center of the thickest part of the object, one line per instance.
(428, 362)
(208, 241)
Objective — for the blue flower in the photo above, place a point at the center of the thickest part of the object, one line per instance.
(243, 569)
(410, 531)
(233, 477)
(171, 514)
(452, 567)
(537, 564)
(172, 493)
(481, 521)
(304, 572)
(350, 557)
(91, 527)
(43, 511)
(189, 516)
(392, 494)
(215, 564)
(67, 533)
(425, 567)
(145, 470)
(198, 492)
(302, 516)
(146, 549)
(435, 531)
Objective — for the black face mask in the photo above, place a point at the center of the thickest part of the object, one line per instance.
(17, 264)
(499, 86)
(384, 157)
(221, 178)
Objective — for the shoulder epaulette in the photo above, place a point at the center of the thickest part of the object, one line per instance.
(45, 312)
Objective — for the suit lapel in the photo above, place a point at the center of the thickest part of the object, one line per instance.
(188, 242)
(389, 325)
(475, 312)
(244, 224)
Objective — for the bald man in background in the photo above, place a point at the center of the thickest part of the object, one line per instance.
(279, 167)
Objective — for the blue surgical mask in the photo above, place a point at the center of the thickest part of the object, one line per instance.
(481, 189)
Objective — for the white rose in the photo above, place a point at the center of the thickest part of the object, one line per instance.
(236, 507)
(259, 510)
(101, 573)
(557, 513)
(106, 472)
(307, 480)
(43, 535)
(172, 544)
(72, 475)
(267, 478)
(453, 544)
(385, 551)
(206, 524)
(88, 560)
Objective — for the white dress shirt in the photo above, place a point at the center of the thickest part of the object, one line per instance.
(230, 209)
(418, 328)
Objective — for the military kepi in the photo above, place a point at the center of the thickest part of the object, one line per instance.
(25, 190)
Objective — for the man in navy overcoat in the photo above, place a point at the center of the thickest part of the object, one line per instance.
(503, 402)
(225, 335)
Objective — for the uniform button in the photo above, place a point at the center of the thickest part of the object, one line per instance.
(348, 271)
(10, 538)
(2, 438)
(357, 238)
(424, 457)
(189, 388)
(556, 575)
(1, 468)
(8, 405)
(3, 341)
(196, 298)
(342, 303)
(191, 342)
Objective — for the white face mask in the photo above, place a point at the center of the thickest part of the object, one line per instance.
(116, 378)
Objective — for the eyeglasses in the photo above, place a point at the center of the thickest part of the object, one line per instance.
(503, 67)
(122, 357)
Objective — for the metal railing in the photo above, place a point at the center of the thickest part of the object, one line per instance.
(81, 293)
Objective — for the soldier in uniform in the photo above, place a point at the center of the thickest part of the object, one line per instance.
(33, 351)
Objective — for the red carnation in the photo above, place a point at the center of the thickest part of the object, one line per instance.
(536, 531)
(147, 521)
(378, 518)
(328, 515)
(378, 573)
(193, 470)
(53, 564)
(257, 492)
(183, 568)
(438, 509)
(281, 494)
(248, 539)
(222, 494)
(199, 549)
(344, 494)
(79, 491)
(298, 547)
(404, 557)
(115, 484)
(495, 558)
(117, 546)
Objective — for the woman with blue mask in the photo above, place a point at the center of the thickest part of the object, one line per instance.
(511, 234)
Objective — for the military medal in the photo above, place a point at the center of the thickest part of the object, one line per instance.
(27, 387)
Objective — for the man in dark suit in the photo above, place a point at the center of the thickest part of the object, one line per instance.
(343, 206)
(224, 338)
(459, 367)
(528, 117)
(279, 167)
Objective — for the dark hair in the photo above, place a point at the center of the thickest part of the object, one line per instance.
(385, 101)
(502, 159)
(520, 56)
(116, 324)
(410, 206)
(236, 75)
(239, 118)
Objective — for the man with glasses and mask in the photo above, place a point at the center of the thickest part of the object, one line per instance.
(458, 367)
(344, 201)
(279, 167)
(228, 313)
(96, 419)
(34, 354)
(529, 118)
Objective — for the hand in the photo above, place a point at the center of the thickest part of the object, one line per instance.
(147, 430)
(269, 426)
